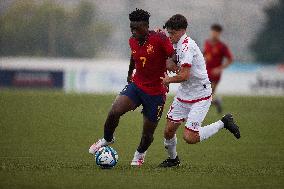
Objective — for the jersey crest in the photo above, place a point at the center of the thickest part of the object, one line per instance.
(185, 41)
(150, 49)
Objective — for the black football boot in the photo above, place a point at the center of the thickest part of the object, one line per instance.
(230, 125)
(170, 162)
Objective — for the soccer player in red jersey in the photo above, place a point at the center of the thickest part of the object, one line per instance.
(149, 54)
(214, 53)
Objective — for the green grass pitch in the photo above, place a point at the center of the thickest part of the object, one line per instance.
(45, 136)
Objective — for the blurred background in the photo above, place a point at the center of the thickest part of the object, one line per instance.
(82, 46)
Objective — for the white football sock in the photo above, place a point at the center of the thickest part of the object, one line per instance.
(210, 130)
(171, 146)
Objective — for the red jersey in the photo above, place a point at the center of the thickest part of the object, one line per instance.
(150, 62)
(214, 55)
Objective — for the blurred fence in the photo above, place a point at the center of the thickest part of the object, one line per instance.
(109, 76)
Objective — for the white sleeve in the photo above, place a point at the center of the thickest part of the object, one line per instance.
(186, 56)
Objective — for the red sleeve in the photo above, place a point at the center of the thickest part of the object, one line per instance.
(166, 45)
(227, 52)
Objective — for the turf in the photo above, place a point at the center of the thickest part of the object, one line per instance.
(45, 136)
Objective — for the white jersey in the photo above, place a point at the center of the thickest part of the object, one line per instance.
(198, 86)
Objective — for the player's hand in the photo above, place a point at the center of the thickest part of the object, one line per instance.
(217, 71)
(165, 79)
(171, 66)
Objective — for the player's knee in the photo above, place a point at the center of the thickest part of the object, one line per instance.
(189, 140)
(115, 112)
(169, 133)
(170, 130)
(191, 137)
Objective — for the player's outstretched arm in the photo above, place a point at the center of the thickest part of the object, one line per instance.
(219, 69)
(229, 57)
(130, 70)
(227, 62)
(183, 75)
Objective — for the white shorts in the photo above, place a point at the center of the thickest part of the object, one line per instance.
(192, 113)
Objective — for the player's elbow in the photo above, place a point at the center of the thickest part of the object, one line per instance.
(185, 76)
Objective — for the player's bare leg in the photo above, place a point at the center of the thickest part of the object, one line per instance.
(213, 86)
(121, 105)
(146, 140)
(191, 136)
(216, 100)
(170, 142)
(227, 122)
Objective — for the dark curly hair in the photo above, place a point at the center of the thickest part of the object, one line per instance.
(139, 15)
(216, 27)
(176, 22)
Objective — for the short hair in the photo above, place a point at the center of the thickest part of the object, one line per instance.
(176, 22)
(216, 27)
(139, 15)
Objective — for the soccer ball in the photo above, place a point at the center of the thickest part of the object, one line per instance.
(106, 157)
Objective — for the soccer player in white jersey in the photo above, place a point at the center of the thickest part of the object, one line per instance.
(193, 97)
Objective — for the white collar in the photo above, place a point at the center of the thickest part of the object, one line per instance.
(181, 39)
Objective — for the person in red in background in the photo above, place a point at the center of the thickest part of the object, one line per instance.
(214, 53)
